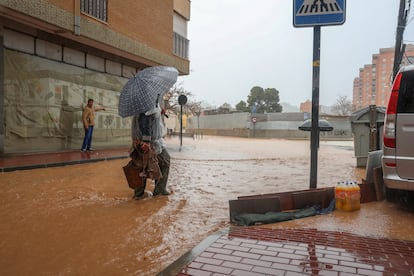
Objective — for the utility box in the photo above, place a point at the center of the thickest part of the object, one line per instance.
(367, 126)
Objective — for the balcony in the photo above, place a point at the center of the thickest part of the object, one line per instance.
(181, 46)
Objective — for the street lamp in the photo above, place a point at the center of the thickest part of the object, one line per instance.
(198, 112)
(166, 98)
(182, 100)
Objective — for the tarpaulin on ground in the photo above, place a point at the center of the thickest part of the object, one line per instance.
(247, 219)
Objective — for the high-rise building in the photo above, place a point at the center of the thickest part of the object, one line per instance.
(373, 85)
(56, 54)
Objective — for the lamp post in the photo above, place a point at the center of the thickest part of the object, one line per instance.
(198, 112)
(166, 99)
(182, 100)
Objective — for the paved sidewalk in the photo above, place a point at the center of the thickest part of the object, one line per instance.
(265, 251)
(54, 159)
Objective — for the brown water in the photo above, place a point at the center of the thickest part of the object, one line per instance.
(82, 220)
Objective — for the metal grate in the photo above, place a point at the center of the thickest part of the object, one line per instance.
(95, 8)
(181, 46)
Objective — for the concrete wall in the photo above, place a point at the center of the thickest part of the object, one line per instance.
(43, 103)
(272, 125)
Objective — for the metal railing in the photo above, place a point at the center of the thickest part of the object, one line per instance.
(95, 8)
(181, 46)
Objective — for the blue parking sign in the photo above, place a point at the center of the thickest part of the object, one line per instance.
(308, 13)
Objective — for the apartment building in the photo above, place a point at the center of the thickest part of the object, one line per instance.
(306, 106)
(56, 54)
(373, 85)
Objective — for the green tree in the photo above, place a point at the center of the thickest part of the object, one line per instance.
(242, 106)
(264, 100)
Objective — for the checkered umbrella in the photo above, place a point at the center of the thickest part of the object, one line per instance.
(141, 93)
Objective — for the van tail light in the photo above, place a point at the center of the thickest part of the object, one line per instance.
(389, 131)
(390, 116)
(389, 164)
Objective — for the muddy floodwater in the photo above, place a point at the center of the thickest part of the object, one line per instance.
(82, 220)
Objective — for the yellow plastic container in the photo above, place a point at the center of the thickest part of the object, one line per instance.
(339, 196)
(347, 196)
(356, 197)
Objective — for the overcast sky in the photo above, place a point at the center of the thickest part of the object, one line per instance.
(238, 44)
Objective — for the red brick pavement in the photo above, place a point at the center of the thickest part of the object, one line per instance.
(264, 251)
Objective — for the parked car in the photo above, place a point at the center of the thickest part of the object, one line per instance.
(398, 137)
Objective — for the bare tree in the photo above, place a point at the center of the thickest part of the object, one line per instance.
(171, 100)
(342, 106)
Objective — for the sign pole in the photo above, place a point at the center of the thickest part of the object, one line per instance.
(182, 100)
(181, 127)
(317, 13)
(315, 106)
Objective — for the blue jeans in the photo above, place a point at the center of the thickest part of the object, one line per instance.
(87, 141)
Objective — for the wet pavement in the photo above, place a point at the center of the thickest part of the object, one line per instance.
(267, 251)
(81, 219)
(54, 159)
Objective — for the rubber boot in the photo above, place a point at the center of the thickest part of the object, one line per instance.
(139, 192)
(164, 163)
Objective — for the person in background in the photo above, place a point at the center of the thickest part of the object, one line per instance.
(88, 119)
(147, 132)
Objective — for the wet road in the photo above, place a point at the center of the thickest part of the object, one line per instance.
(82, 220)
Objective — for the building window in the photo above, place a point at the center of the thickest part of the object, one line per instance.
(181, 45)
(180, 41)
(95, 8)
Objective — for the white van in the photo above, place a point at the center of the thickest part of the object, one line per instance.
(398, 138)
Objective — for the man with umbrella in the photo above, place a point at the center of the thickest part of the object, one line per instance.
(140, 98)
(147, 132)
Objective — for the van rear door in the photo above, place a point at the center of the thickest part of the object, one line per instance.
(405, 127)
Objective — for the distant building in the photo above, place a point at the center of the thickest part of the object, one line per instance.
(220, 110)
(289, 108)
(55, 54)
(373, 85)
(306, 106)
